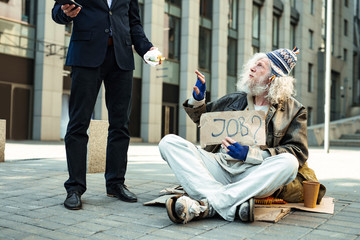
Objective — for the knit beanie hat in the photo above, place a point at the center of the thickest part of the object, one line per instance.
(282, 61)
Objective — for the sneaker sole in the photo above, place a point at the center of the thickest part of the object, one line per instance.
(170, 209)
(251, 212)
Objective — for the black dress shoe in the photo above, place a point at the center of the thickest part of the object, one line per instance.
(73, 201)
(121, 192)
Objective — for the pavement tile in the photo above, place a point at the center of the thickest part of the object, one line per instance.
(238, 228)
(312, 214)
(77, 231)
(205, 224)
(8, 233)
(103, 236)
(34, 237)
(157, 237)
(125, 233)
(340, 229)
(327, 235)
(220, 234)
(303, 221)
(343, 217)
(288, 229)
(351, 224)
(59, 235)
(273, 235)
(172, 234)
(183, 229)
(156, 221)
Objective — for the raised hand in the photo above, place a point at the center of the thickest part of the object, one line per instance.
(200, 87)
(234, 149)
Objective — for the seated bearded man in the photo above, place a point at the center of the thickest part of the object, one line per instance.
(224, 179)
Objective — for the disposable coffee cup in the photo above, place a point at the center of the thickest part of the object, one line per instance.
(311, 191)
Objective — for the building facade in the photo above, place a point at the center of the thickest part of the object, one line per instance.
(215, 36)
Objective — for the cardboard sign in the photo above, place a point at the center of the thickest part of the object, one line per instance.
(245, 127)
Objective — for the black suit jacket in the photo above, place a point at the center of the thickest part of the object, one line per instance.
(91, 30)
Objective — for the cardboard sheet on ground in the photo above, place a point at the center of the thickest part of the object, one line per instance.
(245, 127)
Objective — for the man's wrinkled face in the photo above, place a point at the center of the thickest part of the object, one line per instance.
(259, 76)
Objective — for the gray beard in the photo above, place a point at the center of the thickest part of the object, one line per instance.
(258, 88)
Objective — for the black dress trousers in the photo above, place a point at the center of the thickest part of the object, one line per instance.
(85, 86)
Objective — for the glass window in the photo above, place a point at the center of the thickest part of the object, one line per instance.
(292, 3)
(206, 8)
(292, 35)
(175, 2)
(346, 2)
(172, 37)
(256, 28)
(312, 7)
(256, 22)
(310, 78)
(345, 54)
(232, 17)
(205, 48)
(275, 34)
(232, 57)
(25, 10)
(311, 36)
(345, 27)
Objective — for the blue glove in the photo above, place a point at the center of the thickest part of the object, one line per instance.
(202, 88)
(238, 151)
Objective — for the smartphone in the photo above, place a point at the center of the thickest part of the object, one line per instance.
(70, 2)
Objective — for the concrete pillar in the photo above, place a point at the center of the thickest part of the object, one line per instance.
(151, 102)
(284, 36)
(219, 48)
(48, 80)
(2, 139)
(96, 160)
(266, 26)
(244, 34)
(189, 61)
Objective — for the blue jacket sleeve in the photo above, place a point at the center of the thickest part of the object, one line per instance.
(59, 16)
(138, 37)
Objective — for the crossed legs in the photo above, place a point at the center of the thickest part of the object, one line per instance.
(203, 178)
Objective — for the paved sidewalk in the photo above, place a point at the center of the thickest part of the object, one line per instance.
(32, 195)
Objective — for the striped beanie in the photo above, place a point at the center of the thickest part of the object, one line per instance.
(282, 61)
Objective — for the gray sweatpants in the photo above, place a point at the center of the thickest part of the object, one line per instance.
(201, 176)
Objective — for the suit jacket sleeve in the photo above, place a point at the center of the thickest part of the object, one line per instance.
(59, 16)
(138, 37)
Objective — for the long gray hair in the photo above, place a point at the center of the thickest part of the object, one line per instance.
(280, 88)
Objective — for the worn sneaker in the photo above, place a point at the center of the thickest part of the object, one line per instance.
(246, 211)
(182, 209)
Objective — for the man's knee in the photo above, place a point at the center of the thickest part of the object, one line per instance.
(167, 140)
(289, 163)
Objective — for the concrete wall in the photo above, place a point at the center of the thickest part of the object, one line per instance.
(337, 129)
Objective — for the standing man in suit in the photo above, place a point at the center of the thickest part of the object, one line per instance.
(100, 50)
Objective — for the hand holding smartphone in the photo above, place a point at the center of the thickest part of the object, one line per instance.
(70, 2)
